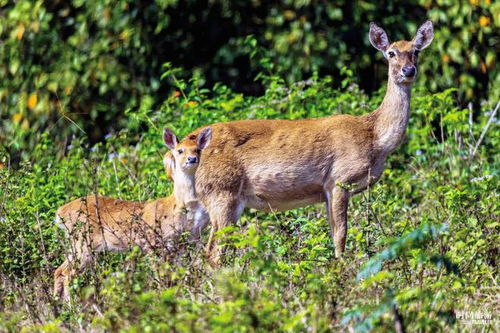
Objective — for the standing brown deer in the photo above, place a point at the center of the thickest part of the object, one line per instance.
(286, 164)
(96, 223)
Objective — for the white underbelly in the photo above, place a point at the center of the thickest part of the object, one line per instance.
(275, 204)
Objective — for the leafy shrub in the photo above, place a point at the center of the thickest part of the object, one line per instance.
(73, 66)
(429, 227)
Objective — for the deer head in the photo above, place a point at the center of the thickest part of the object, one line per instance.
(184, 155)
(402, 55)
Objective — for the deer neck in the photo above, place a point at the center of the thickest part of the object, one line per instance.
(391, 118)
(184, 189)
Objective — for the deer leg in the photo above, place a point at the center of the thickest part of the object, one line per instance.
(74, 264)
(336, 205)
(60, 276)
(223, 210)
(75, 268)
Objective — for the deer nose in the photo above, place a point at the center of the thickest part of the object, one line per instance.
(192, 159)
(409, 71)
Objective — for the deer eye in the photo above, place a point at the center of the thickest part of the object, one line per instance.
(180, 151)
(198, 150)
(391, 54)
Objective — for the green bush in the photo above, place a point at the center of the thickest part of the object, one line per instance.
(422, 243)
(74, 66)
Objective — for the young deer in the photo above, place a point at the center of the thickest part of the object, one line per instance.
(285, 164)
(96, 223)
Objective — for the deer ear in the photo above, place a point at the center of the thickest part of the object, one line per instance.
(169, 138)
(204, 138)
(424, 36)
(378, 37)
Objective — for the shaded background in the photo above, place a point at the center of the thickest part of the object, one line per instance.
(76, 64)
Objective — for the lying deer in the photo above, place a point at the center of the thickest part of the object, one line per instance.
(286, 164)
(96, 223)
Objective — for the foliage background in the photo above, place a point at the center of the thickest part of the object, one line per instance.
(88, 61)
(87, 86)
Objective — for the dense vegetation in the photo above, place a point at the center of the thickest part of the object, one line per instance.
(422, 245)
(89, 61)
(87, 87)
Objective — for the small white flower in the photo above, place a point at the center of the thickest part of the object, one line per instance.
(112, 156)
(478, 179)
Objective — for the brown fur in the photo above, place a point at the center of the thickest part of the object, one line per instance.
(285, 164)
(96, 224)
